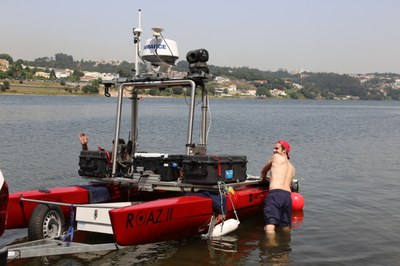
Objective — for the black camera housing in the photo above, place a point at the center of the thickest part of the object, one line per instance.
(198, 61)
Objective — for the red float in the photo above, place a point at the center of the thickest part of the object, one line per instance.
(297, 201)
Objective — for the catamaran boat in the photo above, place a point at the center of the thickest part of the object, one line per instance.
(141, 197)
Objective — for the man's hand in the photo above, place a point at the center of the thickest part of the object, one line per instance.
(84, 141)
(83, 138)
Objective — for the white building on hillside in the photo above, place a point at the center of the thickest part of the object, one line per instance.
(62, 73)
(42, 74)
(4, 65)
(95, 75)
(232, 88)
(278, 92)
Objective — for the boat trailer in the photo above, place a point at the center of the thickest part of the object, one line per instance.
(51, 247)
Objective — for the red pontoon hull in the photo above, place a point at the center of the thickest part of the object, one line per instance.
(3, 203)
(19, 212)
(178, 217)
(158, 218)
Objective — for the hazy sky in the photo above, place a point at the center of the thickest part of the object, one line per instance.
(342, 36)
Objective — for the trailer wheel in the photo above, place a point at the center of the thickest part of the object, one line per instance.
(46, 222)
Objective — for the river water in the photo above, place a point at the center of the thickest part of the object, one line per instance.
(346, 155)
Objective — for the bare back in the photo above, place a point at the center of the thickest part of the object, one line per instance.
(282, 173)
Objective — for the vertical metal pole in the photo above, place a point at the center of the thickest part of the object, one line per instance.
(137, 47)
(204, 110)
(191, 118)
(134, 121)
(117, 130)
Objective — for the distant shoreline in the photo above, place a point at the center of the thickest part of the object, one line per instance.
(55, 89)
(35, 88)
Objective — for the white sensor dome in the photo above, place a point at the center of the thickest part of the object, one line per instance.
(159, 50)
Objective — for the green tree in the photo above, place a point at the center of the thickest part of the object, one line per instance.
(90, 89)
(97, 82)
(52, 74)
(393, 94)
(153, 92)
(308, 93)
(375, 95)
(5, 86)
(123, 73)
(294, 95)
(76, 75)
(14, 71)
(27, 73)
(3, 75)
(177, 90)
(7, 57)
(19, 62)
(334, 83)
(211, 89)
(263, 92)
(64, 61)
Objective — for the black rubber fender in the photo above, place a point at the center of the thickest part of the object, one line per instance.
(3, 256)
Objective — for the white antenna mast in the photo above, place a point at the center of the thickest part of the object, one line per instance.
(136, 33)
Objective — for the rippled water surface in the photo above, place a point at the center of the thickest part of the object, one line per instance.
(346, 154)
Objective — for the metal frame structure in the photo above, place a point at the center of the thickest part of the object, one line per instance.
(163, 83)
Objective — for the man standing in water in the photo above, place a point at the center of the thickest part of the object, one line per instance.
(278, 204)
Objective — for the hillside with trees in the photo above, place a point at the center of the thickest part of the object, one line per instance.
(308, 85)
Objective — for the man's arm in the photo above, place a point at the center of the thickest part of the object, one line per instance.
(265, 170)
(84, 141)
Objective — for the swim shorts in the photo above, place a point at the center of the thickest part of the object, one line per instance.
(278, 208)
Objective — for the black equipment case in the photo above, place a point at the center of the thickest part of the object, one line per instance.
(209, 169)
(96, 163)
(167, 166)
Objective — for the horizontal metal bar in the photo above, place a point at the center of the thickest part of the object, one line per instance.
(179, 185)
(51, 247)
(64, 204)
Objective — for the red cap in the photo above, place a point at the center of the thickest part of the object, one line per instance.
(285, 146)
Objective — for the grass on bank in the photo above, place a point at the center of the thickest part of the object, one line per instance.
(42, 88)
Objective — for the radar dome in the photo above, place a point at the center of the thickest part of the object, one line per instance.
(159, 50)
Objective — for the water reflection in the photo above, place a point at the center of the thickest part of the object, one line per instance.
(248, 245)
(275, 247)
(251, 245)
(297, 219)
(224, 243)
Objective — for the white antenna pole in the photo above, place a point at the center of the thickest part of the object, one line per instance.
(137, 32)
(140, 18)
